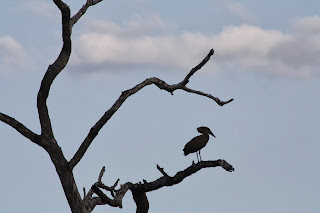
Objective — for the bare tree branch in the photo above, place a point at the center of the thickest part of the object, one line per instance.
(91, 202)
(54, 70)
(101, 173)
(62, 60)
(51, 73)
(82, 11)
(169, 181)
(20, 128)
(217, 100)
(46, 139)
(115, 202)
(139, 189)
(162, 171)
(64, 168)
(198, 67)
(125, 94)
(117, 199)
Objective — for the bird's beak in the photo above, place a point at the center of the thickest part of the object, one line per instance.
(212, 134)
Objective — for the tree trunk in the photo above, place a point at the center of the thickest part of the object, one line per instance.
(67, 179)
(141, 200)
(71, 191)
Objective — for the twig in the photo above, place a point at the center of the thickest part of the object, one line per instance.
(162, 171)
(101, 173)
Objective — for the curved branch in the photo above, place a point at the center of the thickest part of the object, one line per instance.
(90, 202)
(54, 70)
(139, 189)
(62, 60)
(166, 180)
(125, 94)
(217, 100)
(104, 199)
(20, 128)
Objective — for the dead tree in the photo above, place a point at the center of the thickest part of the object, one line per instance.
(65, 167)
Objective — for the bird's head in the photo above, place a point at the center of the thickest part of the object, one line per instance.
(205, 130)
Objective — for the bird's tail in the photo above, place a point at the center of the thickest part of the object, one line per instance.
(185, 153)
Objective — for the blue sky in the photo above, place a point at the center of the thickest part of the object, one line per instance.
(266, 58)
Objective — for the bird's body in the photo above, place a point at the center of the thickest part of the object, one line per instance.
(198, 142)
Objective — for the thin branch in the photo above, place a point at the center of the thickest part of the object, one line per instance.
(117, 200)
(198, 67)
(169, 181)
(108, 188)
(82, 11)
(101, 185)
(54, 70)
(217, 100)
(91, 202)
(104, 198)
(90, 192)
(139, 189)
(162, 171)
(20, 128)
(125, 94)
(101, 173)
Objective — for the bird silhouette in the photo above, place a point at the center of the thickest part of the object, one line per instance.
(198, 142)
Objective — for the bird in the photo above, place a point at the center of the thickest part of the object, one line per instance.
(198, 142)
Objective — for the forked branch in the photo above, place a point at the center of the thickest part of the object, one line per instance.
(139, 189)
(117, 195)
(82, 11)
(64, 168)
(126, 94)
(51, 73)
(55, 69)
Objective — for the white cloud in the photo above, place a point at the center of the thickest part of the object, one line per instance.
(12, 55)
(139, 25)
(308, 24)
(41, 8)
(243, 47)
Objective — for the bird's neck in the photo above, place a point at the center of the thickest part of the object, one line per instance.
(206, 135)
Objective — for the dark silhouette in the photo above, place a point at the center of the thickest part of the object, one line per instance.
(198, 142)
(64, 167)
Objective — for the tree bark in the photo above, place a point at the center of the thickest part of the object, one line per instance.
(140, 189)
(141, 200)
(70, 189)
(66, 177)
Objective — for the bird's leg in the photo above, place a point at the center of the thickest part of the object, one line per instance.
(200, 155)
(197, 156)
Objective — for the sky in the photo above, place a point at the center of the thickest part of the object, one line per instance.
(266, 58)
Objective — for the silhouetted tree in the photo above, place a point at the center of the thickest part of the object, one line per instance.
(65, 167)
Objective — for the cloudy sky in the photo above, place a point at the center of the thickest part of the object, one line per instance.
(266, 58)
